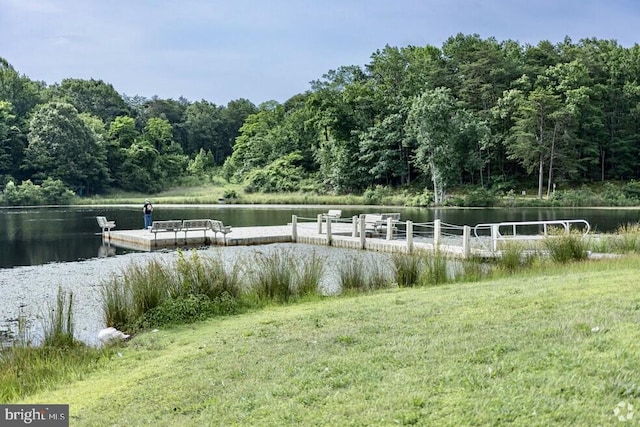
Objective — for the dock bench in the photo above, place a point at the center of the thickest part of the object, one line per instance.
(333, 214)
(372, 222)
(195, 225)
(105, 224)
(376, 224)
(218, 227)
(161, 226)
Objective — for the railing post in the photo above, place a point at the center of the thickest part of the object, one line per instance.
(294, 228)
(354, 222)
(436, 233)
(363, 233)
(466, 241)
(319, 223)
(494, 237)
(409, 236)
(389, 228)
(328, 231)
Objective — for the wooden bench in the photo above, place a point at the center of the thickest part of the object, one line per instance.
(105, 224)
(195, 225)
(218, 227)
(161, 226)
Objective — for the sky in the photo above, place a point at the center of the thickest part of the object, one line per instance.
(263, 50)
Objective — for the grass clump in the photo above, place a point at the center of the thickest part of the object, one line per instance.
(435, 269)
(153, 294)
(273, 276)
(280, 276)
(626, 239)
(26, 368)
(566, 247)
(360, 274)
(515, 256)
(406, 269)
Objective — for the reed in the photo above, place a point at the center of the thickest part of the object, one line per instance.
(434, 269)
(566, 247)
(273, 276)
(626, 239)
(406, 268)
(309, 274)
(351, 274)
(58, 327)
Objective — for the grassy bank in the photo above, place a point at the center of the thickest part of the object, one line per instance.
(557, 346)
(211, 194)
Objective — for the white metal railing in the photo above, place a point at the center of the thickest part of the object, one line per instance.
(502, 231)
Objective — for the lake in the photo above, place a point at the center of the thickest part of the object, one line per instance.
(41, 235)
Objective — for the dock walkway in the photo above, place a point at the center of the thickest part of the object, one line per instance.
(401, 236)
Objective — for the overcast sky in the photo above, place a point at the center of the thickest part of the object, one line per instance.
(268, 49)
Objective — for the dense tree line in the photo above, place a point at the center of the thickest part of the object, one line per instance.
(81, 135)
(475, 111)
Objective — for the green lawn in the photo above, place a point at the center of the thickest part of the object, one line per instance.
(553, 348)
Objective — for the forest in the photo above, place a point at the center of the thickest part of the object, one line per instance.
(474, 113)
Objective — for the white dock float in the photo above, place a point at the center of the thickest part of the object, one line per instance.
(398, 237)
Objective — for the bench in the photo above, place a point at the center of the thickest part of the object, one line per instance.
(105, 224)
(333, 214)
(218, 227)
(395, 218)
(194, 225)
(376, 224)
(171, 225)
(371, 223)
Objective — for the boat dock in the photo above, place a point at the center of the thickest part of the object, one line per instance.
(382, 235)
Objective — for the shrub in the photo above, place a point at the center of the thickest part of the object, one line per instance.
(188, 309)
(27, 193)
(480, 197)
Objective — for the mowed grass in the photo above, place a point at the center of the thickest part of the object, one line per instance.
(554, 347)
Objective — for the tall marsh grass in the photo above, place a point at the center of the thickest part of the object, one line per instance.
(566, 247)
(281, 275)
(58, 328)
(155, 287)
(360, 274)
(626, 239)
(26, 368)
(434, 270)
(406, 269)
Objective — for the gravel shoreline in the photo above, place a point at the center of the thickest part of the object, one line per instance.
(31, 291)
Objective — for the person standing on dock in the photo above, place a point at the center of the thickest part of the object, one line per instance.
(147, 209)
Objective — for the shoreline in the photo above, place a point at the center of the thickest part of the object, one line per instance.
(30, 291)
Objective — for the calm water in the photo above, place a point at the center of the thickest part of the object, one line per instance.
(33, 236)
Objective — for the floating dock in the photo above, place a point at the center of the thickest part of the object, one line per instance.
(340, 235)
(483, 240)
